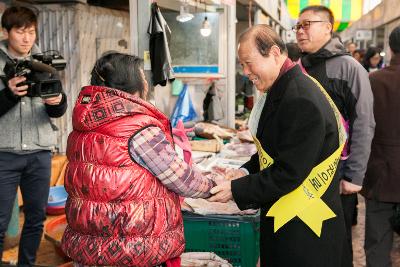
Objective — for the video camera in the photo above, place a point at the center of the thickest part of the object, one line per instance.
(41, 74)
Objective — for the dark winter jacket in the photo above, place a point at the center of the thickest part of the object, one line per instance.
(382, 179)
(298, 129)
(347, 83)
(159, 51)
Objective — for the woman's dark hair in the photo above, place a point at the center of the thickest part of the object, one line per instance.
(119, 71)
(371, 51)
(18, 16)
(264, 37)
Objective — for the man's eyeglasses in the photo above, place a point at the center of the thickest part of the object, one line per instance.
(305, 25)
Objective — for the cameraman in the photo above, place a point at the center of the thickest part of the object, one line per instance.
(26, 136)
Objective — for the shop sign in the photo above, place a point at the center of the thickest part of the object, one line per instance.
(363, 35)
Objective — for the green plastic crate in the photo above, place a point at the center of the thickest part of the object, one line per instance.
(234, 238)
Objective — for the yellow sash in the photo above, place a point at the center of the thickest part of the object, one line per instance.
(305, 201)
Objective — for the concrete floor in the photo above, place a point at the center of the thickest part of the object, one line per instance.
(47, 255)
(358, 240)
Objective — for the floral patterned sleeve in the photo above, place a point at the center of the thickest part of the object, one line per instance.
(151, 149)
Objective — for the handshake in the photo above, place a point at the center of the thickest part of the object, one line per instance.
(222, 191)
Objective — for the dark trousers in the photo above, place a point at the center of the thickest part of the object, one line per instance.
(378, 233)
(32, 173)
(349, 203)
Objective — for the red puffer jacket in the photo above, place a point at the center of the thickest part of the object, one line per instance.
(118, 213)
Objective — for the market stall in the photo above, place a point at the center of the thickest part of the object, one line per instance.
(203, 70)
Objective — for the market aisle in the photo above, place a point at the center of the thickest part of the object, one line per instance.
(47, 255)
(358, 239)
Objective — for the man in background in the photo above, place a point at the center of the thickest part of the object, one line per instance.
(381, 187)
(351, 47)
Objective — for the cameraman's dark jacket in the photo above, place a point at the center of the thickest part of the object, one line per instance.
(25, 121)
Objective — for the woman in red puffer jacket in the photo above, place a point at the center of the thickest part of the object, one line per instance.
(124, 176)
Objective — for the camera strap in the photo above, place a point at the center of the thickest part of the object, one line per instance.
(8, 60)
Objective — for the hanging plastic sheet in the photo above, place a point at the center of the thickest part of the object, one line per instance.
(182, 144)
(177, 87)
(184, 108)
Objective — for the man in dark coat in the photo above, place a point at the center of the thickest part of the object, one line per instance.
(381, 187)
(346, 81)
(297, 130)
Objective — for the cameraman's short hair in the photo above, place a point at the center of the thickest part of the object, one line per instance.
(119, 71)
(18, 16)
(320, 9)
(264, 37)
